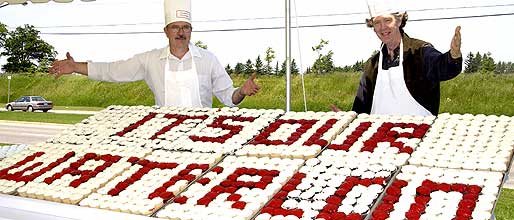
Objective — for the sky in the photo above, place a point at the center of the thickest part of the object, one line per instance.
(350, 43)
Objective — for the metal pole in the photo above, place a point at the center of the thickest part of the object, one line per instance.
(288, 55)
(8, 88)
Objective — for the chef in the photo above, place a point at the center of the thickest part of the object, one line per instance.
(403, 77)
(180, 74)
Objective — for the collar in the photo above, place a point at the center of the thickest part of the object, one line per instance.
(396, 51)
(194, 50)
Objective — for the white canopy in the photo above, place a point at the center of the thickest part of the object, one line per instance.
(13, 2)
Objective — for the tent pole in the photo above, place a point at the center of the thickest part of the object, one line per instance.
(288, 55)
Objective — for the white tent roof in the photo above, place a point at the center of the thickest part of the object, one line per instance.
(12, 2)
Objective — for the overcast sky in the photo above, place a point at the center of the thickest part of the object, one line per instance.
(348, 42)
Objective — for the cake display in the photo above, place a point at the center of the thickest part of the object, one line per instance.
(467, 142)
(78, 172)
(134, 126)
(228, 130)
(6, 151)
(439, 193)
(342, 186)
(140, 162)
(234, 189)
(151, 181)
(298, 134)
(387, 137)
(27, 165)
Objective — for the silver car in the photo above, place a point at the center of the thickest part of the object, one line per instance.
(30, 103)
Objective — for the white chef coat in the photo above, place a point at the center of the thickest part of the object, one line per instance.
(391, 96)
(149, 66)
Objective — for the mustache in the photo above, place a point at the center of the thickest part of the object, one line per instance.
(180, 38)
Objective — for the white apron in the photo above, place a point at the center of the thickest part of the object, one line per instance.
(181, 87)
(391, 96)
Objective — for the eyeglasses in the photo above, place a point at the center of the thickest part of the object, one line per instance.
(185, 28)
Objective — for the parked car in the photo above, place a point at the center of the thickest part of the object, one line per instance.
(30, 103)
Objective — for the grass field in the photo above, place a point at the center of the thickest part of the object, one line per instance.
(467, 93)
(42, 117)
(77, 91)
(505, 206)
(78, 108)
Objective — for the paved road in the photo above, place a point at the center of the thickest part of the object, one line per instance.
(28, 133)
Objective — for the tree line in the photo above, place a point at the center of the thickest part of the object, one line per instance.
(26, 52)
(484, 63)
(323, 64)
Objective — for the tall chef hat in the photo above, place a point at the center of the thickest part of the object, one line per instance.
(177, 10)
(383, 7)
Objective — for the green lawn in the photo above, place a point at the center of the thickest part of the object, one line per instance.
(505, 206)
(4, 144)
(467, 93)
(78, 108)
(42, 117)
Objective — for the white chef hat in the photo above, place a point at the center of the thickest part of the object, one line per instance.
(383, 7)
(177, 10)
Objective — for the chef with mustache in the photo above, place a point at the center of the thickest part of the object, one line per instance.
(180, 74)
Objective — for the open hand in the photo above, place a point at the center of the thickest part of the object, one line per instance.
(455, 45)
(250, 88)
(62, 67)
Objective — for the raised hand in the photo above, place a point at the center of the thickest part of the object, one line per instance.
(62, 67)
(250, 88)
(455, 45)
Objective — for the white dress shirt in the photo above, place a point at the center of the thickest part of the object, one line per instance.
(149, 66)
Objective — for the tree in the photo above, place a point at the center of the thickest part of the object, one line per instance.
(470, 64)
(259, 68)
(3, 33)
(294, 68)
(324, 63)
(270, 55)
(500, 68)
(26, 51)
(487, 65)
(229, 69)
(282, 69)
(239, 68)
(509, 67)
(358, 66)
(477, 62)
(248, 70)
(200, 44)
(277, 70)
